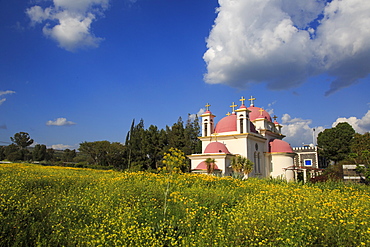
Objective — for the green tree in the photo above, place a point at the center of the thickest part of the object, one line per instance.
(103, 153)
(50, 154)
(39, 152)
(242, 166)
(22, 139)
(2, 154)
(136, 149)
(154, 145)
(334, 144)
(175, 133)
(13, 152)
(210, 165)
(115, 155)
(191, 134)
(360, 153)
(68, 155)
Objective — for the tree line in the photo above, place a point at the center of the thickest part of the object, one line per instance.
(143, 148)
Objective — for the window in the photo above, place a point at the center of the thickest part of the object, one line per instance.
(307, 162)
(241, 126)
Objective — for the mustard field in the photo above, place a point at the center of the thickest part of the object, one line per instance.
(55, 206)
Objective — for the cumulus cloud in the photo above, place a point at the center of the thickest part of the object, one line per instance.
(200, 112)
(5, 93)
(298, 131)
(284, 42)
(360, 125)
(69, 22)
(60, 122)
(61, 146)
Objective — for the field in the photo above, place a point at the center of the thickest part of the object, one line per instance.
(55, 206)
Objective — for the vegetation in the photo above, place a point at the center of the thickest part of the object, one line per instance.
(360, 148)
(241, 165)
(143, 149)
(57, 206)
(334, 144)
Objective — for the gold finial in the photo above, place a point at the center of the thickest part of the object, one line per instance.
(228, 114)
(207, 106)
(275, 117)
(242, 100)
(233, 106)
(252, 100)
(261, 111)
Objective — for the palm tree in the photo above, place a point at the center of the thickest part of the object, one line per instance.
(247, 167)
(241, 165)
(210, 165)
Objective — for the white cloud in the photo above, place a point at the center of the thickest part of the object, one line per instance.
(61, 146)
(360, 125)
(283, 42)
(60, 122)
(5, 93)
(298, 131)
(200, 112)
(69, 22)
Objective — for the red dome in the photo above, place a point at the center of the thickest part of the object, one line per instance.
(280, 146)
(255, 113)
(203, 166)
(216, 147)
(227, 124)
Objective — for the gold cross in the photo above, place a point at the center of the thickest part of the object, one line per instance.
(242, 100)
(233, 106)
(261, 111)
(251, 100)
(215, 134)
(207, 106)
(228, 114)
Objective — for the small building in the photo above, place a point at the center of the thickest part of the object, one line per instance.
(306, 157)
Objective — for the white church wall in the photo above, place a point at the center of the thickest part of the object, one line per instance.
(280, 161)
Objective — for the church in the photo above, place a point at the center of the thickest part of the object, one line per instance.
(249, 132)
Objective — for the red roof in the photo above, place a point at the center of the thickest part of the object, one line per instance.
(203, 166)
(280, 146)
(216, 147)
(255, 113)
(227, 124)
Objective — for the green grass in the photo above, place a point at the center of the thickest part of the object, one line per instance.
(54, 206)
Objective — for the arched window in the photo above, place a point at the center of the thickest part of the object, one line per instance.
(257, 163)
(241, 126)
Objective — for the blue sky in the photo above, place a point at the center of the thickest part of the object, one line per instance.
(74, 71)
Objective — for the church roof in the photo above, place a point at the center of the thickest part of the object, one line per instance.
(203, 166)
(216, 147)
(227, 124)
(280, 146)
(256, 113)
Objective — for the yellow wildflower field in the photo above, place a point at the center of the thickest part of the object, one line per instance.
(57, 206)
